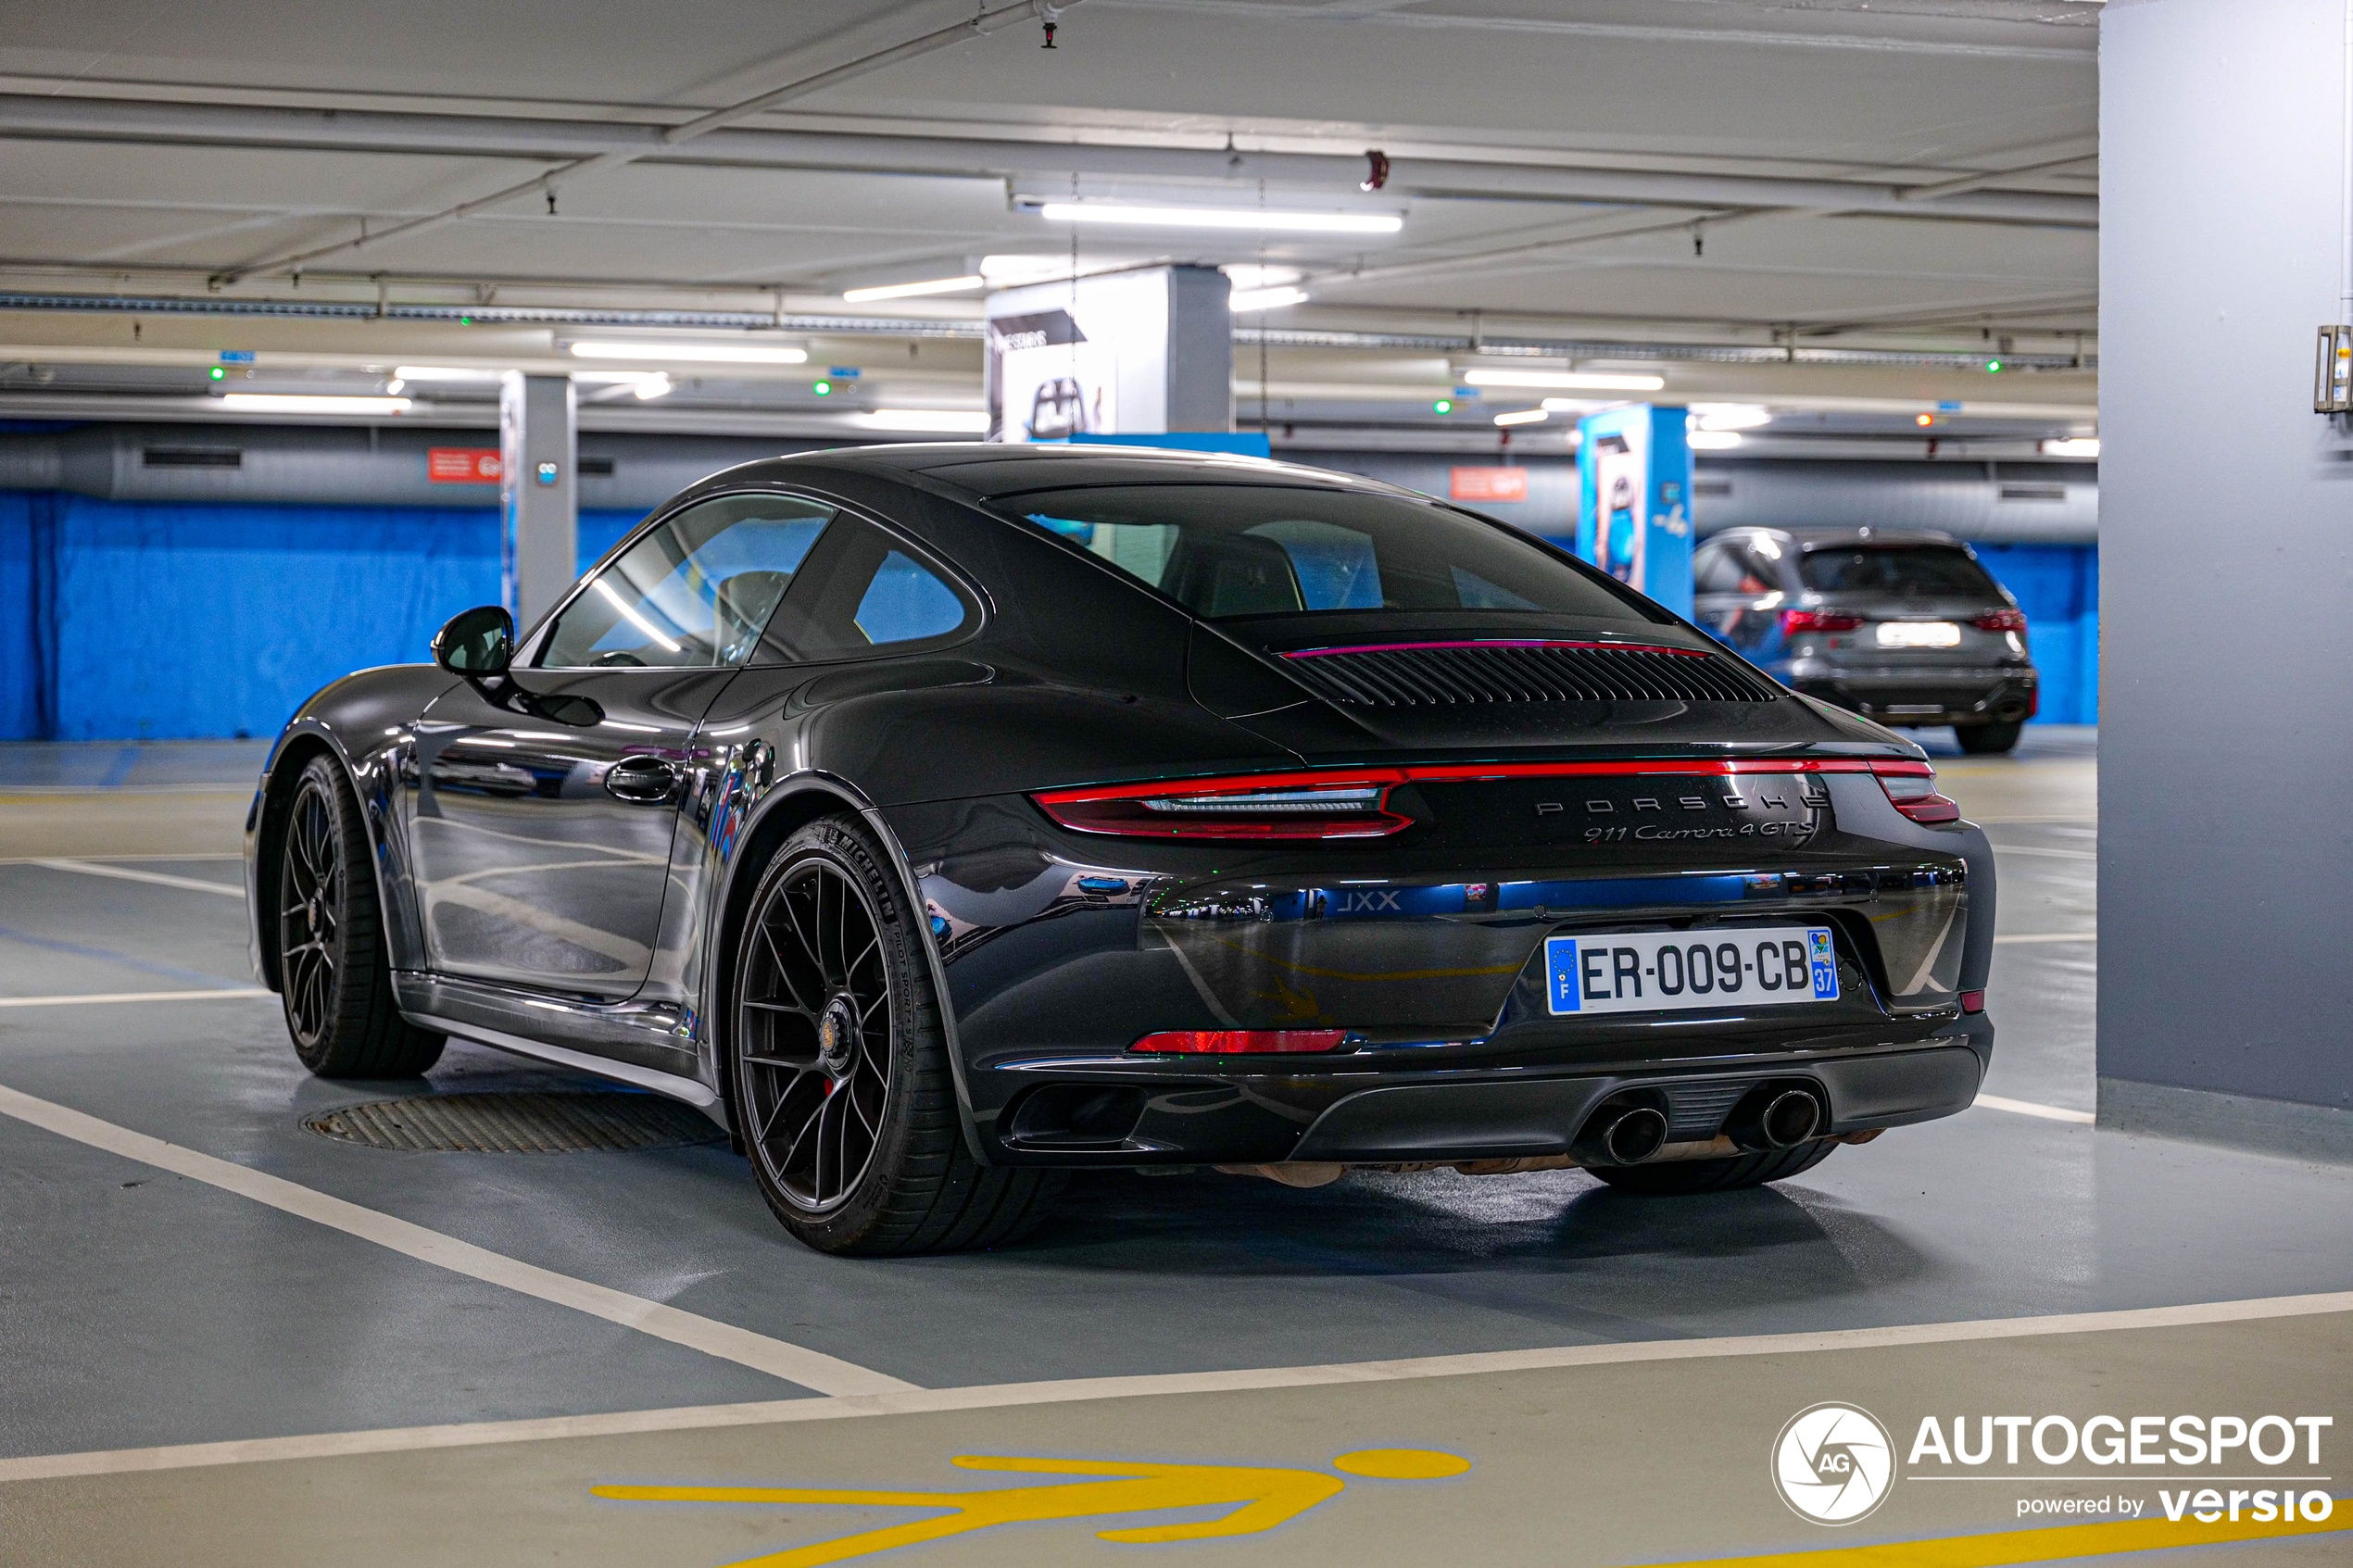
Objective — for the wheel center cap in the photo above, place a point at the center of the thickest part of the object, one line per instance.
(838, 1037)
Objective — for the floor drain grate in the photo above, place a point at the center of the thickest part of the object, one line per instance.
(519, 1124)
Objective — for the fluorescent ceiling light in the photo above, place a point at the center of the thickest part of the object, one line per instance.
(652, 387)
(619, 378)
(1571, 405)
(1523, 417)
(309, 403)
(1249, 275)
(1713, 440)
(907, 291)
(2072, 447)
(1729, 416)
(946, 421)
(1267, 299)
(1222, 217)
(1568, 381)
(443, 373)
(715, 353)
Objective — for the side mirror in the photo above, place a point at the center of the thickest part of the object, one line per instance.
(476, 642)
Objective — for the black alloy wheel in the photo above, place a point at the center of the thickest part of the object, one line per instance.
(841, 1088)
(334, 973)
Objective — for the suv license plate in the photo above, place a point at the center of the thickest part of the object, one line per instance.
(1656, 971)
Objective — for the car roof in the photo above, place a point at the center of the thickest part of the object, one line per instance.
(1839, 538)
(989, 469)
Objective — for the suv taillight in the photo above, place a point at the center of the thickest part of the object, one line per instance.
(2001, 621)
(1912, 789)
(1796, 620)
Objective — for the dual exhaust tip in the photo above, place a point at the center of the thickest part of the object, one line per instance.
(1631, 1128)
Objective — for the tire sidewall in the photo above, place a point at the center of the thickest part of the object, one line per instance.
(322, 774)
(850, 851)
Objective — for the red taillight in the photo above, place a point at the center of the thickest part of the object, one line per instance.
(1273, 805)
(1796, 620)
(1231, 1042)
(1972, 1001)
(2001, 621)
(1911, 788)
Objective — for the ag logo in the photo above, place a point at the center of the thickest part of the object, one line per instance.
(1833, 1463)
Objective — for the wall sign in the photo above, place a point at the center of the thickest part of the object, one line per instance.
(1487, 484)
(460, 465)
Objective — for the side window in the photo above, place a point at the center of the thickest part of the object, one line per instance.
(697, 591)
(1714, 572)
(864, 591)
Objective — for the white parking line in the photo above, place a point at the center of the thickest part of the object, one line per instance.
(93, 998)
(1005, 1396)
(2050, 854)
(794, 1364)
(161, 879)
(2028, 1108)
(2050, 936)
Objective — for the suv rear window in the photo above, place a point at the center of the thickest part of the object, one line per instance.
(1915, 570)
(1231, 551)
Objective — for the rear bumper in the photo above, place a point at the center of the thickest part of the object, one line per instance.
(1923, 696)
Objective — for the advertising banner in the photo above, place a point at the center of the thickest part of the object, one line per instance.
(1147, 351)
(1634, 510)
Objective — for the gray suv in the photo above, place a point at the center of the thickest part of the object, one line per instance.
(1903, 627)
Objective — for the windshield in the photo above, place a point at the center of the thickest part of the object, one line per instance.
(1228, 551)
(1917, 570)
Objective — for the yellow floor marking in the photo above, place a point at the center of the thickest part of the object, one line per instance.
(2033, 1546)
(1266, 1496)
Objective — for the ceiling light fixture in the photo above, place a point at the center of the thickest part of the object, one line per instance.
(907, 291)
(1713, 440)
(1523, 417)
(715, 353)
(944, 422)
(311, 403)
(1567, 381)
(1221, 218)
(1729, 416)
(1571, 405)
(1266, 300)
(2072, 447)
(443, 373)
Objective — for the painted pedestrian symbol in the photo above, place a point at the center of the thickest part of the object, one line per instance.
(1263, 1496)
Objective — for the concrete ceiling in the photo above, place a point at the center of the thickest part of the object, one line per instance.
(1901, 174)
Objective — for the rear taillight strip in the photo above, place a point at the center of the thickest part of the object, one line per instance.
(1270, 806)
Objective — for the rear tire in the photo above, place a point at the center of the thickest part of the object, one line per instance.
(1980, 740)
(334, 970)
(1677, 1178)
(844, 1098)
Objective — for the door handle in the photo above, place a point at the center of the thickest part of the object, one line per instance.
(642, 781)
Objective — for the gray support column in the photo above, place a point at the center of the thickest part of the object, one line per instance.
(2226, 544)
(1200, 350)
(537, 446)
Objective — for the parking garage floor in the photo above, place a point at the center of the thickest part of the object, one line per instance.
(229, 1340)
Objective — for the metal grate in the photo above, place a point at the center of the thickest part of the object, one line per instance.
(1436, 674)
(519, 1124)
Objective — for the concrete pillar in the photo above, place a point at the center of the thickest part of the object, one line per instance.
(539, 553)
(2226, 543)
(1147, 352)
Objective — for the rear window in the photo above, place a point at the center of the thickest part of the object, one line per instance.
(1916, 569)
(1229, 551)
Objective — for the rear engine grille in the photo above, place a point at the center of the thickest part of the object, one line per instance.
(1445, 674)
(1697, 1111)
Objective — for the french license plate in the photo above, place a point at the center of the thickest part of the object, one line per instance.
(1654, 970)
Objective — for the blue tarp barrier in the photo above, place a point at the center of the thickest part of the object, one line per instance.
(2058, 588)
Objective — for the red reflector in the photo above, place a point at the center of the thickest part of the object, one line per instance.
(1912, 789)
(2001, 621)
(1223, 1042)
(1796, 620)
(1972, 1001)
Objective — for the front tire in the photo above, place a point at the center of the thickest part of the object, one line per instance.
(1678, 1178)
(334, 970)
(843, 1094)
(1983, 740)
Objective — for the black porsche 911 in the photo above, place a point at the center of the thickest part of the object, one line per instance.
(941, 819)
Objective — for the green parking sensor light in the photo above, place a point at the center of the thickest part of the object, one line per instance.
(1992, 367)
(217, 372)
(1443, 405)
(822, 388)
